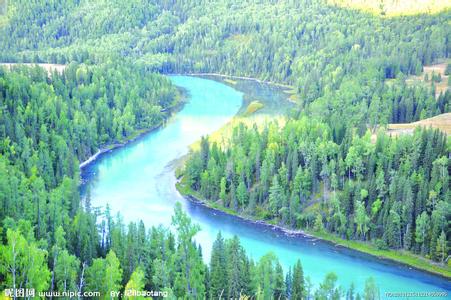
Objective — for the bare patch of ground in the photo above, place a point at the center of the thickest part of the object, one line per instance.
(392, 8)
(441, 122)
(425, 78)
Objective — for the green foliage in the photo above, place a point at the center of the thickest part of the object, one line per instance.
(328, 288)
(23, 263)
(218, 269)
(306, 173)
(136, 283)
(190, 278)
(298, 290)
(48, 124)
(337, 64)
(253, 107)
(371, 291)
(297, 182)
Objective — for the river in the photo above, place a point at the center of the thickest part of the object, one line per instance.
(138, 181)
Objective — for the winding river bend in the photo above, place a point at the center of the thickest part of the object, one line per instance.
(138, 181)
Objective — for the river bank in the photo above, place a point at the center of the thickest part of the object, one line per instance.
(181, 100)
(138, 182)
(404, 258)
(108, 148)
(237, 77)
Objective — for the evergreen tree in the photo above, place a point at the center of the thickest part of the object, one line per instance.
(190, 277)
(218, 269)
(298, 284)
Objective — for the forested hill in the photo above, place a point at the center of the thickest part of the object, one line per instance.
(348, 71)
(392, 192)
(334, 55)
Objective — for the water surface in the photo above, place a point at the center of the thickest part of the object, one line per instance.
(138, 181)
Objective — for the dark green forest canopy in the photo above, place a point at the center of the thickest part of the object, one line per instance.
(338, 55)
(322, 172)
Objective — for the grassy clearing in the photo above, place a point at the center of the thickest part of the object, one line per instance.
(223, 135)
(294, 97)
(441, 122)
(393, 8)
(230, 81)
(240, 39)
(425, 78)
(253, 107)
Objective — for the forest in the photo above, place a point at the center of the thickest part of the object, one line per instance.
(137, 259)
(317, 172)
(339, 64)
(393, 191)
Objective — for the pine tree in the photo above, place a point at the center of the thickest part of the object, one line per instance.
(361, 219)
(279, 283)
(350, 295)
(318, 226)
(441, 248)
(275, 196)
(241, 193)
(218, 269)
(394, 229)
(223, 191)
(289, 284)
(298, 285)
(421, 232)
(235, 267)
(191, 275)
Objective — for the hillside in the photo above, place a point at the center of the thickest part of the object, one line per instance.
(441, 122)
(346, 72)
(393, 8)
(433, 75)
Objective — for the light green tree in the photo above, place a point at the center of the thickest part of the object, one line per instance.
(441, 248)
(361, 219)
(298, 285)
(136, 283)
(421, 232)
(66, 268)
(23, 264)
(113, 274)
(371, 290)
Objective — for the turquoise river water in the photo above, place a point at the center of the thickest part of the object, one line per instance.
(138, 181)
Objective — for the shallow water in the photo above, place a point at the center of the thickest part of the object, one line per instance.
(138, 181)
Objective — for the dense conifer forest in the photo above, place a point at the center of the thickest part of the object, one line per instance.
(393, 191)
(331, 168)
